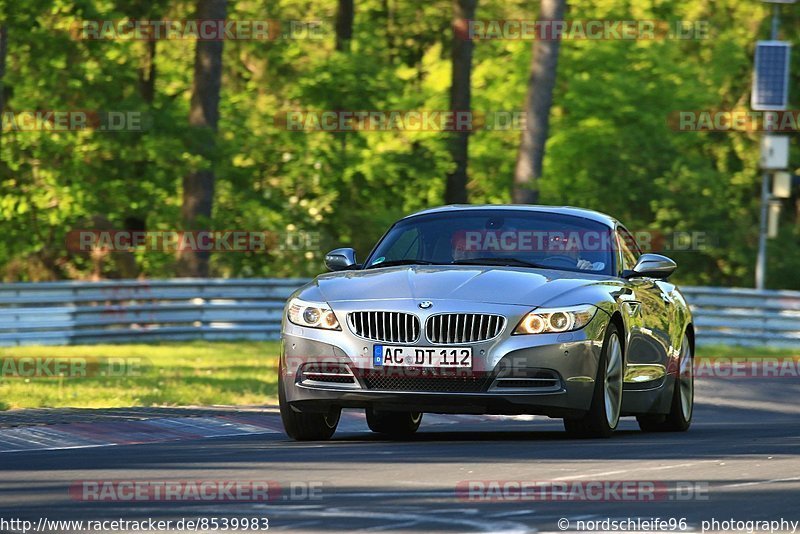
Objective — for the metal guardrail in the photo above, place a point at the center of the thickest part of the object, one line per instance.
(71, 313)
(738, 316)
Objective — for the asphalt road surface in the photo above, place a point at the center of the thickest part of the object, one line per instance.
(739, 461)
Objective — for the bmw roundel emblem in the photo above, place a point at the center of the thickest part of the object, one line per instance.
(425, 304)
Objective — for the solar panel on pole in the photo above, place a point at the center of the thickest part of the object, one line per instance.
(771, 76)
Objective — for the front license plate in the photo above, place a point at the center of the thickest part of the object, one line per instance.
(437, 357)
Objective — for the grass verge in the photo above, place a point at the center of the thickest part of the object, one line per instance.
(180, 374)
(719, 351)
(164, 374)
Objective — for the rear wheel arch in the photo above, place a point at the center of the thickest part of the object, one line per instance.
(690, 335)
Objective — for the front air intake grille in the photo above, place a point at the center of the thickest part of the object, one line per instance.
(328, 373)
(448, 328)
(389, 327)
(532, 379)
(427, 384)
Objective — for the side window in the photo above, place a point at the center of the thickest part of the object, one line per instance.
(405, 247)
(628, 248)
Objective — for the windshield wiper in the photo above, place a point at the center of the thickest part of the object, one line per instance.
(510, 262)
(392, 263)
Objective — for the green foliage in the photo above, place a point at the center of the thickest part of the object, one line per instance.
(610, 148)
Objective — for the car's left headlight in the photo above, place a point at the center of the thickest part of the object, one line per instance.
(312, 315)
(555, 320)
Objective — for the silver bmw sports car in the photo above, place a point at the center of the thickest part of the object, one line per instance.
(490, 310)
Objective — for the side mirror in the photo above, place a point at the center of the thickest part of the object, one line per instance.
(340, 259)
(652, 266)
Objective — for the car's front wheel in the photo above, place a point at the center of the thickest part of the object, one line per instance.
(679, 418)
(307, 426)
(603, 416)
(393, 424)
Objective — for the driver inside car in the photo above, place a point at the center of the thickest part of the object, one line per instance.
(571, 249)
(557, 246)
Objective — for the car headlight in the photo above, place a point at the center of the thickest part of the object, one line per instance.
(312, 315)
(548, 321)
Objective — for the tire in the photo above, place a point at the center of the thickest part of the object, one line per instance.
(603, 416)
(393, 424)
(307, 426)
(679, 418)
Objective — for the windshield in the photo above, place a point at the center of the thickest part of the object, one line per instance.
(497, 237)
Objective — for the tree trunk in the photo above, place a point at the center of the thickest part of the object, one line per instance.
(344, 25)
(3, 48)
(389, 12)
(345, 14)
(460, 96)
(198, 186)
(147, 73)
(539, 100)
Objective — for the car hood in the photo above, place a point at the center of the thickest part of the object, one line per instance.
(495, 285)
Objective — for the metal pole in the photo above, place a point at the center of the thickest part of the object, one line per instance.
(776, 21)
(761, 262)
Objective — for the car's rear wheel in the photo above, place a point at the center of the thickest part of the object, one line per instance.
(679, 418)
(603, 416)
(393, 424)
(303, 426)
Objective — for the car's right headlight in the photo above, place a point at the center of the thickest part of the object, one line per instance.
(556, 320)
(312, 315)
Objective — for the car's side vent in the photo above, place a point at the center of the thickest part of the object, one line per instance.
(450, 328)
(389, 327)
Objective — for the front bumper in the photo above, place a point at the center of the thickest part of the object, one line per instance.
(565, 363)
